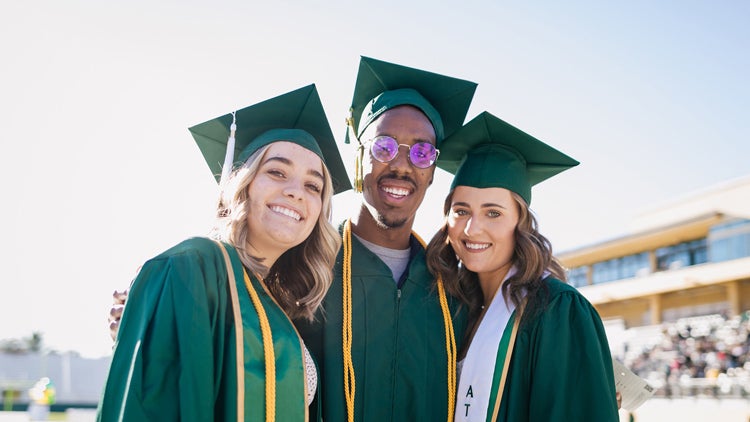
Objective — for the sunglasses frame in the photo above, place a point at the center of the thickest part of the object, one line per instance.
(374, 140)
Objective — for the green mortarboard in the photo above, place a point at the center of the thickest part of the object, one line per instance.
(488, 152)
(381, 86)
(296, 116)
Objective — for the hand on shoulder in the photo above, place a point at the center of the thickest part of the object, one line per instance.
(115, 312)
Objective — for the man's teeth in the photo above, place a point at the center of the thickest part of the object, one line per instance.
(397, 191)
(287, 212)
(476, 246)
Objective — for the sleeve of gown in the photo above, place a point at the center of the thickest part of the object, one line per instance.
(572, 377)
(164, 360)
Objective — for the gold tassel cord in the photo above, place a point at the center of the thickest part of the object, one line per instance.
(358, 172)
(349, 379)
(352, 134)
(450, 339)
(450, 348)
(268, 352)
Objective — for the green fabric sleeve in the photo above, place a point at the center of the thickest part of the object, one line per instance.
(570, 364)
(171, 341)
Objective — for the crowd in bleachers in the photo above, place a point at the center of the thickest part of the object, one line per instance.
(697, 356)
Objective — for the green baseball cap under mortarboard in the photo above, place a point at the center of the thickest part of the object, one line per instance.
(296, 116)
(488, 152)
(381, 86)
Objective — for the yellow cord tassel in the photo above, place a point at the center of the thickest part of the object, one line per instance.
(450, 338)
(268, 352)
(349, 380)
(450, 342)
(450, 348)
(358, 172)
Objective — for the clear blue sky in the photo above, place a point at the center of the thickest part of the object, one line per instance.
(99, 173)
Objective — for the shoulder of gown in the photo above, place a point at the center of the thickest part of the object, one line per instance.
(562, 357)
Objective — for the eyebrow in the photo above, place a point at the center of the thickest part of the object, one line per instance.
(485, 205)
(288, 162)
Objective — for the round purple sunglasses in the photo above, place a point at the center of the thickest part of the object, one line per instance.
(421, 155)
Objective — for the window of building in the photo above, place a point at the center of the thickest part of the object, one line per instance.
(620, 268)
(682, 255)
(730, 240)
(578, 276)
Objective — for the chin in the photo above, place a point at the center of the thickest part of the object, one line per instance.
(288, 240)
(392, 223)
(471, 267)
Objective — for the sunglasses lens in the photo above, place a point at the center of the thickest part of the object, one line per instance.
(423, 154)
(384, 148)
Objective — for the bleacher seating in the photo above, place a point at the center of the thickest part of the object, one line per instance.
(706, 355)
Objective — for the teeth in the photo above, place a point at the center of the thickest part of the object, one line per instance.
(286, 211)
(476, 246)
(397, 191)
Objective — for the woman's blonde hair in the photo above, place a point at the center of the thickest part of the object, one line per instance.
(301, 276)
(532, 256)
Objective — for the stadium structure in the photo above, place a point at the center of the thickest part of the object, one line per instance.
(674, 292)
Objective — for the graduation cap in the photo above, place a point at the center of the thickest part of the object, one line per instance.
(296, 116)
(382, 86)
(488, 152)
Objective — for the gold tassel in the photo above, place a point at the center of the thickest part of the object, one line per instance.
(358, 172)
(350, 380)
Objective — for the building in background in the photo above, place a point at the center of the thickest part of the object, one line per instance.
(689, 257)
(77, 381)
(675, 293)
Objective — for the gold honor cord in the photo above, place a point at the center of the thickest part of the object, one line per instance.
(349, 380)
(450, 339)
(450, 342)
(450, 348)
(268, 352)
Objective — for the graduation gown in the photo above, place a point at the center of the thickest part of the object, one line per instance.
(561, 367)
(398, 342)
(176, 355)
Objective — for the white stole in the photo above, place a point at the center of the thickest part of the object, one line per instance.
(478, 367)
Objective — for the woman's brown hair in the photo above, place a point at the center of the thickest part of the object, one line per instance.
(532, 257)
(301, 276)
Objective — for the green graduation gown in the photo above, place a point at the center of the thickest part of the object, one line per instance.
(398, 345)
(176, 357)
(561, 367)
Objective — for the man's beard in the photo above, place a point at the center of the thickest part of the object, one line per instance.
(386, 223)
